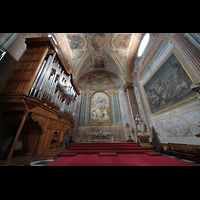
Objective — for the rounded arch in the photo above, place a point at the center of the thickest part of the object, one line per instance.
(132, 51)
(100, 71)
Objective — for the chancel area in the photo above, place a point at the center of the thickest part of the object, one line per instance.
(132, 97)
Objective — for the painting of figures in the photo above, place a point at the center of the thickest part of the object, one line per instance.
(170, 84)
(99, 62)
(75, 41)
(122, 40)
(100, 110)
(98, 41)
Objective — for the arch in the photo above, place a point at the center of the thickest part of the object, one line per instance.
(63, 45)
(132, 51)
(100, 71)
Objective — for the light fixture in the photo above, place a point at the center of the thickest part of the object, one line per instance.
(143, 44)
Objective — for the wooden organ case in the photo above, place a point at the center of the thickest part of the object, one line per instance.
(39, 97)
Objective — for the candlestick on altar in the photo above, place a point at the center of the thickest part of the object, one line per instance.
(129, 136)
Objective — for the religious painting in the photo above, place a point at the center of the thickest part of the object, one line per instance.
(98, 41)
(79, 134)
(75, 41)
(84, 133)
(100, 108)
(121, 132)
(115, 133)
(99, 62)
(104, 81)
(122, 41)
(169, 85)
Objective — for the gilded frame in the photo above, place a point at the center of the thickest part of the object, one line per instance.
(182, 102)
(109, 105)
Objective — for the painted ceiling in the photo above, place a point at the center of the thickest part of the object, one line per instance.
(95, 51)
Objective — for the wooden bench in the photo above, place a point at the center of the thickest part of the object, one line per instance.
(183, 151)
(162, 147)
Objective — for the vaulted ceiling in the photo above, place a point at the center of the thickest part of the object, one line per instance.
(93, 52)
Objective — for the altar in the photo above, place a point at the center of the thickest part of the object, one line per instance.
(95, 136)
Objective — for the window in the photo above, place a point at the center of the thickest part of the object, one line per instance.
(2, 52)
(143, 44)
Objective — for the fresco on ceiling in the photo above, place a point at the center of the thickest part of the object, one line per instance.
(168, 85)
(122, 40)
(100, 109)
(75, 41)
(103, 81)
(98, 41)
(99, 62)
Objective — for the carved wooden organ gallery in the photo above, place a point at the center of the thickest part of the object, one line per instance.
(39, 97)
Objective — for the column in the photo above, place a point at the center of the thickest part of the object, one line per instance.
(118, 108)
(113, 108)
(81, 108)
(86, 108)
(116, 111)
(188, 52)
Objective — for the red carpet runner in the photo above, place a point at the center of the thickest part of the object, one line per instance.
(128, 154)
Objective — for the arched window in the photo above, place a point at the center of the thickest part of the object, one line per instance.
(143, 44)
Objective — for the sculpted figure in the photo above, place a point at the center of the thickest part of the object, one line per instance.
(140, 125)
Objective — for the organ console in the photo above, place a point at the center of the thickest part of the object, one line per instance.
(39, 97)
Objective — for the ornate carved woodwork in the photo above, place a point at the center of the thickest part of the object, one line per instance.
(41, 122)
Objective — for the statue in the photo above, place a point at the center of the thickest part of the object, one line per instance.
(141, 132)
(140, 125)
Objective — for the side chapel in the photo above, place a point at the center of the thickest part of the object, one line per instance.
(61, 88)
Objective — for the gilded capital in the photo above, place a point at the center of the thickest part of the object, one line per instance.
(111, 92)
(83, 93)
(87, 92)
(116, 92)
(168, 36)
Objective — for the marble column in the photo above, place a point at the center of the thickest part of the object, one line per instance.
(81, 108)
(86, 108)
(188, 52)
(118, 108)
(113, 107)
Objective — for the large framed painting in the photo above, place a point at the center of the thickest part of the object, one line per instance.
(100, 107)
(168, 86)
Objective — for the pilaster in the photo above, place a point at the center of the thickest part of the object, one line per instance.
(118, 107)
(113, 106)
(86, 107)
(81, 108)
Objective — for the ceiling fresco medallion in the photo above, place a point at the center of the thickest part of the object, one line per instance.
(75, 41)
(122, 41)
(98, 41)
(99, 62)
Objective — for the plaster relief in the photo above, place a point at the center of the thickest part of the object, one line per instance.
(163, 128)
(177, 126)
(193, 119)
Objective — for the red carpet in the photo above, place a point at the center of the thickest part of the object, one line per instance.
(119, 160)
(126, 154)
(106, 147)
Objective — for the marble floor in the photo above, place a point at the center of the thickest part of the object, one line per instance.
(39, 162)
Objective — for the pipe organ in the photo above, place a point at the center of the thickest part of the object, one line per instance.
(39, 97)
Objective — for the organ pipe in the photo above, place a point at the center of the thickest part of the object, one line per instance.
(53, 84)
